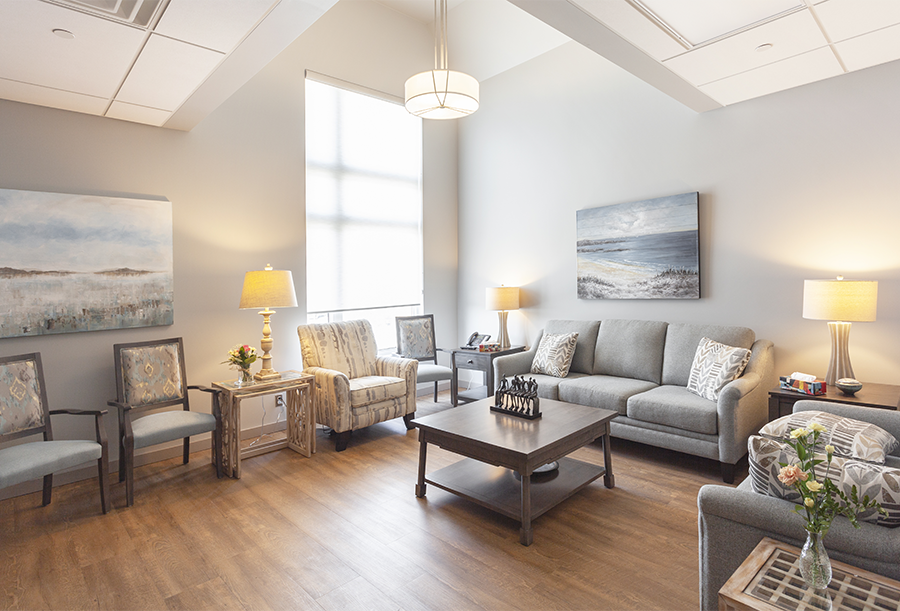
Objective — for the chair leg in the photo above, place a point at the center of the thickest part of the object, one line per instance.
(217, 448)
(48, 488)
(187, 449)
(408, 421)
(128, 466)
(103, 475)
(341, 440)
(435, 391)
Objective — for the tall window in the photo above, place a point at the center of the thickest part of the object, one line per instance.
(363, 209)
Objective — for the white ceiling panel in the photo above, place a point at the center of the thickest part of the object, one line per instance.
(870, 49)
(791, 35)
(629, 23)
(420, 10)
(91, 63)
(702, 20)
(843, 19)
(138, 114)
(166, 73)
(54, 98)
(793, 72)
(213, 24)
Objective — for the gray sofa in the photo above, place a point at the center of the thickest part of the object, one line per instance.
(640, 369)
(733, 520)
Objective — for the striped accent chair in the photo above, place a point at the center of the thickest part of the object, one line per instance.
(355, 387)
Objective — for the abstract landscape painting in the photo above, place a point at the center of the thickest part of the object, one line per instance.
(83, 263)
(640, 250)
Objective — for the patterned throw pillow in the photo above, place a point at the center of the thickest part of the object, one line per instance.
(554, 354)
(714, 366)
(850, 438)
(878, 482)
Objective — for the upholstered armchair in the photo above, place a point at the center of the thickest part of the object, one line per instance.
(355, 387)
(24, 412)
(415, 340)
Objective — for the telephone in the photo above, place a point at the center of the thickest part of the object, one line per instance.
(475, 339)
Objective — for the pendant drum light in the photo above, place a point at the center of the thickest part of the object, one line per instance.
(441, 93)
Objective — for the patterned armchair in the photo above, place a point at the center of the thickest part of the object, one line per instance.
(415, 340)
(23, 412)
(150, 376)
(354, 386)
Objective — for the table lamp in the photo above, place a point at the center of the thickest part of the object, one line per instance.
(502, 299)
(840, 302)
(269, 288)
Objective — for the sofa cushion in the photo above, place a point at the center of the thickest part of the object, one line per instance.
(554, 354)
(548, 386)
(583, 359)
(608, 392)
(374, 389)
(631, 349)
(715, 365)
(675, 406)
(681, 344)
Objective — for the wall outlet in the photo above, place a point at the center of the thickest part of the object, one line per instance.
(279, 400)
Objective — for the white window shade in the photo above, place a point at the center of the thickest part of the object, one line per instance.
(363, 201)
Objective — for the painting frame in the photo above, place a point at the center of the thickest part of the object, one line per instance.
(647, 249)
(73, 263)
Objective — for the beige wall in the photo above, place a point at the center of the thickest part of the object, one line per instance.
(799, 184)
(236, 183)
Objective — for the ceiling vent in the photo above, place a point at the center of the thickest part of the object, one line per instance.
(133, 12)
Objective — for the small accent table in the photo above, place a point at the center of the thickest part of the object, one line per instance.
(769, 580)
(301, 426)
(479, 361)
(881, 396)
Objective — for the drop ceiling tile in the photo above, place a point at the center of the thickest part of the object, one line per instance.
(31, 53)
(212, 23)
(702, 20)
(870, 49)
(629, 23)
(54, 98)
(843, 19)
(793, 72)
(790, 35)
(138, 114)
(166, 73)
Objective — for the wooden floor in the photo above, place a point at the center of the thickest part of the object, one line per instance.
(346, 531)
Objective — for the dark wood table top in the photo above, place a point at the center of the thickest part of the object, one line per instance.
(476, 422)
(871, 395)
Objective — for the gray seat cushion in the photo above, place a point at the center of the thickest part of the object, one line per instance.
(548, 386)
(167, 426)
(681, 345)
(583, 360)
(429, 372)
(607, 392)
(30, 461)
(677, 407)
(631, 349)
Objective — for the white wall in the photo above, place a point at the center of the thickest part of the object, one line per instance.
(236, 182)
(799, 184)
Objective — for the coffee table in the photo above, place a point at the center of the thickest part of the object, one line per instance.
(503, 452)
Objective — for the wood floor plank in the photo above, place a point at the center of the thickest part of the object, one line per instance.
(203, 596)
(358, 595)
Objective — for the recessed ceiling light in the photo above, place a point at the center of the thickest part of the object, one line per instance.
(64, 33)
(765, 46)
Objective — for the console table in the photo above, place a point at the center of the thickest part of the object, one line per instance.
(479, 361)
(301, 426)
(881, 396)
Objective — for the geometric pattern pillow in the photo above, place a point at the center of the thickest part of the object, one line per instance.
(879, 483)
(714, 366)
(554, 354)
(850, 438)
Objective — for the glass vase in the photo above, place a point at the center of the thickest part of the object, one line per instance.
(815, 566)
(244, 378)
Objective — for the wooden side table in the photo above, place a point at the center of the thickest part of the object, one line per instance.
(769, 580)
(301, 425)
(881, 396)
(479, 361)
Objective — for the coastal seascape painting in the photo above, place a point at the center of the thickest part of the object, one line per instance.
(73, 263)
(640, 250)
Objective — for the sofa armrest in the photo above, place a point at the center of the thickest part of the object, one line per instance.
(332, 398)
(399, 367)
(514, 364)
(742, 407)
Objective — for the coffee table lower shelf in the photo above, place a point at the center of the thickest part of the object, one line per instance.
(499, 489)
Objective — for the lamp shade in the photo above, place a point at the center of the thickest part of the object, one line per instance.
(502, 298)
(840, 300)
(441, 94)
(269, 288)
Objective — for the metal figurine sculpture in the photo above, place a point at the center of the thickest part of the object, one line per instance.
(517, 398)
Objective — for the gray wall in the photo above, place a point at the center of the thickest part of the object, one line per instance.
(236, 183)
(799, 184)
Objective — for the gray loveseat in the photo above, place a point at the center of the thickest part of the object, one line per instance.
(640, 369)
(733, 520)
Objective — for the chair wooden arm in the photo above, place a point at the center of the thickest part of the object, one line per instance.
(122, 406)
(203, 388)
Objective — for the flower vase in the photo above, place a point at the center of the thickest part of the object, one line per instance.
(815, 566)
(244, 378)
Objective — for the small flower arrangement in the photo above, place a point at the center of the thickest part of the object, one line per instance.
(822, 500)
(241, 357)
